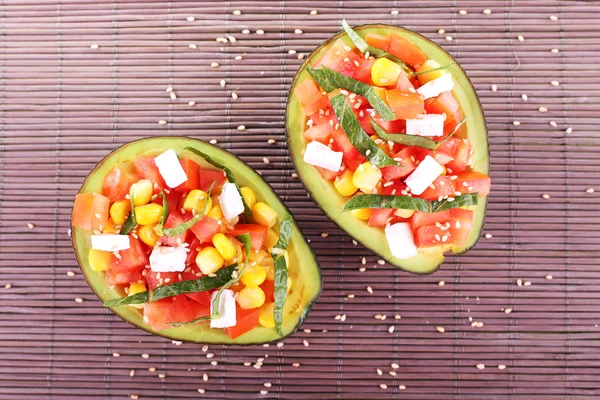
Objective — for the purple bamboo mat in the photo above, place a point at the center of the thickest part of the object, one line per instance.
(79, 78)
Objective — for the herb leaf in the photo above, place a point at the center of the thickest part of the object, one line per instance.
(130, 222)
(433, 69)
(228, 173)
(357, 136)
(190, 286)
(281, 270)
(409, 203)
(456, 128)
(330, 80)
(179, 229)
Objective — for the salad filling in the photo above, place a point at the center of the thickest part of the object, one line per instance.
(383, 126)
(187, 244)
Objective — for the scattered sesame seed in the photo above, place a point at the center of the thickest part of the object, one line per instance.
(70, 273)
(134, 396)
(234, 95)
(383, 386)
(449, 38)
(379, 372)
(294, 175)
(568, 130)
(292, 52)
(210, 355)
(301, 56)
(271, 141)
(162, 376)
(554, 51)
(441, 31)
(205, 377)
(266, 160)
(146, 356)
(480, 366)
(516, 123)
(213, 141)
(305, 343)
(173, 96)
(94, 46)
(589, 190)
(381, 262)
(553, 18)
(295, 365)
(440, 329)
(116, 355)
(132, 373)
(507, 310)
(519, 282)
(324, 234)
(394, 12)
(501, 367)
(394, 366)
(488, 235)
(554, 83)
(524, 97)
(237, 12)
(527, 283)
(363, 260)
(369, 289)
(441, 283)
(397, 316)
(246, 31)
(192, 46)
(298, 31)
(542, 109)
(402, 387)
(267, 384)
(521, 38)
(391, 329)
(201, 391)
(260, 32)
(214, 64)
(162, 122)
(494, 88)
(7, 286)
(487, 11)
(314, 12)
(152, 369)
(264, 392)
(78, 300)
(350, 296)
(545, 196)
(241, 128)
(463, 12)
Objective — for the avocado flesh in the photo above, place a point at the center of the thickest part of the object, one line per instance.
(304, 268)
(331, 202)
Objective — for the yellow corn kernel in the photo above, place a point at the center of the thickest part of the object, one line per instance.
(257, 257)
(271, 239)
(209, 260)
(402, 213)
(269, 266)
(264, 214)
(254, 275)
(99, 260)
(148, 214)
(265, 315)
(444, 171)
(141, 192)
(119, 211)
(224, 246)
(110, 227)
(429, 76)
(196, 200)
(362, 213)
(366, 177)
(136, 288)
(385, 72)
(147, 235)
(344, 184)
(215, 212)
(250, 297)
(249, 196)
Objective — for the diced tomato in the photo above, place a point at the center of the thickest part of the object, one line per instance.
(473, 182)
(175, 218)
(122, 278)
(442, 186)
(307, 92)
(334, 54)
(132, 259)
(158, 314)
(395, 126)
(147, 169)
(420, 219)
(90, 211)
(327, 174)
(324, 117)
(205, 229)
(320, 104)
(406, 50)
(432, 235)
(192, 172)
(442, 158)
(191, 256)
(257, 232)
(352, 158)
(173, 200)
(363, 73)
(364, 119)
(395, 189)
(404, 84)
(320, 133)
(246, 320)
(445, 103)
(380, 217)
(461, 214)
(207, 177)
(153, 279)
(162, 314)
(202, 298)
(378, 41)
(408, 165)
(460, 225)
(461, 156)
(346, 64)
(117, 183)
(405, 105)
(269, 288)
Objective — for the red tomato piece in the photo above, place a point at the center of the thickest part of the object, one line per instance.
(395, 189)
(405, 105)
(352, 158)
(158, 314)
(380, 217)
(420, 219)
(445, 103)
(205, 229)
(327, 174)
(395, 126)
(191, 256)
(269, 288)
(257, 232)
(460, 225)
(175, 218)
(90, 211)
(363, 73)
(442, 186)
(173, 200)
(202, 298)
(246, 320)
(334, 54)
(461, 214)
(192, 171)
(442, 158)
(408, 165)
(432, 235)
(181, 309)
(406, 50)
(473, 182)
(404, 84)
(461, 156)
(207, 177)
(132, 259)
(320, 133)
(122, 278)
(156, 279)
(347, 65)
(315, 106)
(307, 92)
(117, 183)
(378, 41)
(147, 169)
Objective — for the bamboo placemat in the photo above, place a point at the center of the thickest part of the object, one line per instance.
(79, 78)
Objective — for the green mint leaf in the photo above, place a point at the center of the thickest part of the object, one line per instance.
(281, 270)
(130, 222)
(401, 138)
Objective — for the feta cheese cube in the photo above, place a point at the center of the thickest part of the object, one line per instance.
(318, 154)
(226, 307)
(424, 175)
(231, 201)
(426, 125)
(110, 242)
(170, 168)
(168, 259)
(436, 87)
(400, 240)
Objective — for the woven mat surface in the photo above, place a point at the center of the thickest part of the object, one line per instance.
(80, 77)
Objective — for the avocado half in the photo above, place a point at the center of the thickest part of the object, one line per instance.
(304, 268)
(331, 202)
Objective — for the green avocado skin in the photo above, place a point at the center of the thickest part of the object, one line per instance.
(307, 276)
(331, 202)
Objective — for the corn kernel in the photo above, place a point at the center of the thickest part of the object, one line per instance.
(110, 227)
(257, 257)
(254, 275)
(119, 211)
(148, 214)
(224, 246)
(344, 184)
(250, 297)
(385, 72)
(265, 315)
(362, 213)
(136, 288)
(148, 235)
(249, 196)
(209, 260)
(264, 214)
(141, 192)
(216, 212)
(99, 260)
(402, 213)
(269, 267)
(196, 200)
(271, 239)
(444, 171)
(429, 76)
(366, 177)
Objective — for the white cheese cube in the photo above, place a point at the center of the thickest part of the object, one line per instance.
(424, 175)
(318, 154)
(110, 242)
(226, 309)
(170, 168)
(426, 125)
(436, 87)
(231, 201)
(400, 240)
(168, 259)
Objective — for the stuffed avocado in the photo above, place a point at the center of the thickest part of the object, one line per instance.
(184, 240)
(387, 134)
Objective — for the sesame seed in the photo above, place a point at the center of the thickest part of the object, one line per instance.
(463, 12)
(553, 18)
(267, 384)
(191, 103)
(369, 289)
(305, 343)
(480, 366)
(494, 88)
(402, 387)
(298, 31)
(314, 12)
(94, 46)
(589, 190)
(210, 355)
(173, 96)
(134, 396)
(554, 83)
(162, 376)
(264, 392)
(519, 282)
(7, 286)
(266, 160)
(524, 97)
(487, 11)
(116, 355)
(553, 124)
(449, 38)
(237, 12)
(260, 32)
(554, 51)
(295, 365)
(441, 283)
(383, 386)
(488, 235)
(350, 296)
(146, 356)
(213, 141)
(379, 372)
(191, 18)
(201, 391)
(271, 141)
(294, 175)
(542, 109)
(169, 89)
(527, 283)
(516, 123)
(391, 329)
(568, 130)
(507, 310)
(78, 300)
(234, 95)
(70, 273)
(30, 225)
(324, 235)
(162, 122)
(520, 38)
(241, 128)
(441, 31)
(545, 196)
(151, 369)
(214, 64)
(301, 56)
(205, 377)
(381, 262)
(501, 367)
(132, 373)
